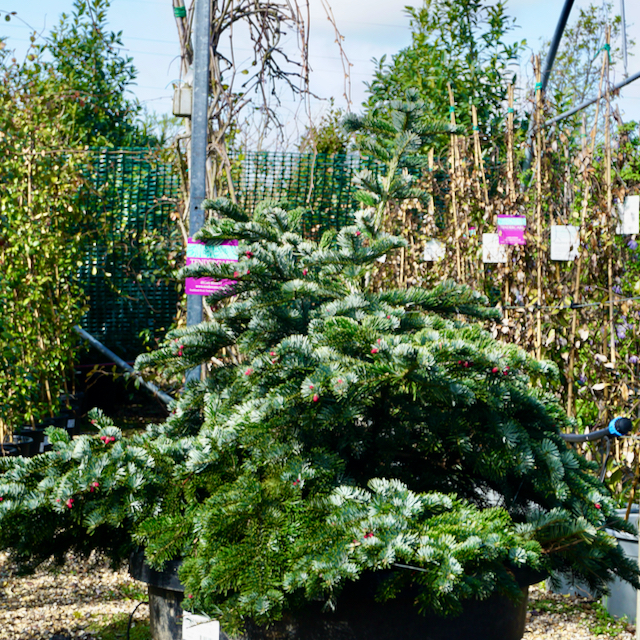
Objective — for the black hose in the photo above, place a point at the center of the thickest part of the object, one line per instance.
(131, 618)
(617, 427)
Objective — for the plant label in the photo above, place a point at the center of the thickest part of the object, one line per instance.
(565, 242)
(195, 627)
(182, 101)
(628, 218)
(511, 229)
(200, 253)
(434, 250)
(492, 250)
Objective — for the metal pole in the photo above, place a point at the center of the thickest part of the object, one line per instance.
(589, 102)
(121, 363)
(546, 71)
(199, 131)
(624, 38)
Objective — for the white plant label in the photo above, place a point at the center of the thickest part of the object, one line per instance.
(629, 220)
(492, 251)
(434, 250)
(565, 242)
(195, 627)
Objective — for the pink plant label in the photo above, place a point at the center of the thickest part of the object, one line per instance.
(200, 253)
(511, 229)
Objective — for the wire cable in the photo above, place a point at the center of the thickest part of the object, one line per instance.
(131, 619)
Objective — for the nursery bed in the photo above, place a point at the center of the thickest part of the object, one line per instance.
(79, 601)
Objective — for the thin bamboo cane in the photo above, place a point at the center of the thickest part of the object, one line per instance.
(431, 205)
(609, 225)
(478, 161)
(480, 180)
(511, 192)
(36, 313)
(453, 175)
(608, 212)
(510, 171)
(539, 122)
(403, 253)
(583, 214)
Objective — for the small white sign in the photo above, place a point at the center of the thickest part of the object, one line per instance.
(182, 101)
(629, 220)
(565, 242)
(196, 627)
(492, 251)
(434, 250)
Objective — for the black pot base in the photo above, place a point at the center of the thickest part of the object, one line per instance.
(496, 618)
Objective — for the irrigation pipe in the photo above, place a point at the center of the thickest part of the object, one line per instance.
(573, 305)
(124, 365)
(588, 103)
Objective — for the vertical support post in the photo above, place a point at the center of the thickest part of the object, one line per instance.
(454, 175)
(548, 65)
(624, 39)
(199, 140)
(538, 159)
(610, 225)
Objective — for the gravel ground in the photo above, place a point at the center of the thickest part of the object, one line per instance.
(556, 617)
(72, 603)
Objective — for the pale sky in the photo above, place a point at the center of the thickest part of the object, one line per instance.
(371, 29)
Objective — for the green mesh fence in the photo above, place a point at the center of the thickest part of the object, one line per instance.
(125, 274)
(324, 183)
(131, 300)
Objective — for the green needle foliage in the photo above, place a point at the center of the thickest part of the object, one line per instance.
(339, 431)
(396, 138)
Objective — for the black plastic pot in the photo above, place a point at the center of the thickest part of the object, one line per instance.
(65, 420)
(357, 616)
(37, 436)
(37, 433)
(24, 444)
(8, 450)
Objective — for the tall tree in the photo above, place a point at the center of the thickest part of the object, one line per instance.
(462, 43)
(91, 70)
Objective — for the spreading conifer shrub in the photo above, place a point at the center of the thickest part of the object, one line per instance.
(338, 431)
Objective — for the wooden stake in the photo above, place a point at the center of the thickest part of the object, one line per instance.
(36, 313)
(477, 154)
(511, 187)
(403, 253)
(511, 192)
(539, 206)
(453, 175)
(583, 214)
(608, 212)
(431, 206)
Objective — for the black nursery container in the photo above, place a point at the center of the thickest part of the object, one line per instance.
(358, 616)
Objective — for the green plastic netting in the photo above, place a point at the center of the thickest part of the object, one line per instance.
(124, 274)
(131, 301)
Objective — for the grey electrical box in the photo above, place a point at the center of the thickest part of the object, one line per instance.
(182, 100)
